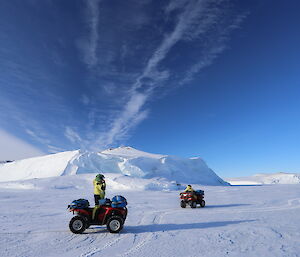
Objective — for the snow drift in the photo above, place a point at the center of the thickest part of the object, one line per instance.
(274, 178)
(123, 160)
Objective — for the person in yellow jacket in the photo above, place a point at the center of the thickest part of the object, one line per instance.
(189, 189)
(99, 191)
(99, 188)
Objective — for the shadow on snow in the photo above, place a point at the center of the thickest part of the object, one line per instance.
(226, 205)
(171, 227)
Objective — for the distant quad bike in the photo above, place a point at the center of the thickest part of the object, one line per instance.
(110, 213)
(192, 199)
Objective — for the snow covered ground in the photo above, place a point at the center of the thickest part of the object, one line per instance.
(237, 221)
(264, 178)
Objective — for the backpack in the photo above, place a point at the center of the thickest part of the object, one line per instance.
(118, 201)
(105, 201)
(199, 192)
(79, 204)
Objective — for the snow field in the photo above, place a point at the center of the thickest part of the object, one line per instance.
(237, 221)
(261, 179)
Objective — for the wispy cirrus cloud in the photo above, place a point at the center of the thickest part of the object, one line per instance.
(36, 96)
(129, 117)
(74, 137)
(215, 46)
(89, 45)
(133, 52)
(204, 21)
(19, 114)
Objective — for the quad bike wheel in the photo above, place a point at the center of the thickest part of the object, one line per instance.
(114, 224)
(202, 203)
(77, 224)
(193, 204)
(183, 204)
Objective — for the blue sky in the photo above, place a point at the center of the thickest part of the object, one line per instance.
(217, 79)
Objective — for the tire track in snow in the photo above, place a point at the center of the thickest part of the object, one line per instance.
(108, 244)
(97, 250)
(145, 240)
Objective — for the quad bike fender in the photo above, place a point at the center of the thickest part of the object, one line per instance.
(115, 212)
(80, 211)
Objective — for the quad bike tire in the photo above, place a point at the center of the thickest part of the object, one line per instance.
(202, 203)
(183, 204)
(114, 224)
(193, 205)
(77, 224)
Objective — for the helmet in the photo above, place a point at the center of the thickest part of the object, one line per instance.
(99, 177)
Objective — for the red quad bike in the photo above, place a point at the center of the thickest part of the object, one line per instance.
(109, 213)
(192, 199)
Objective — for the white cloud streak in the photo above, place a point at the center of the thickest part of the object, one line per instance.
(137, 100)
(89, 47)
(72, 135)
(54, 149)
(213, 50)
(132, 113)
(194, 21)
(129, 118)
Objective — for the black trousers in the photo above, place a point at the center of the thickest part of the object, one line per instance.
(97, 198)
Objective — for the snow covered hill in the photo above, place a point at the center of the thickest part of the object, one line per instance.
(264, 178)
(126, 161)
